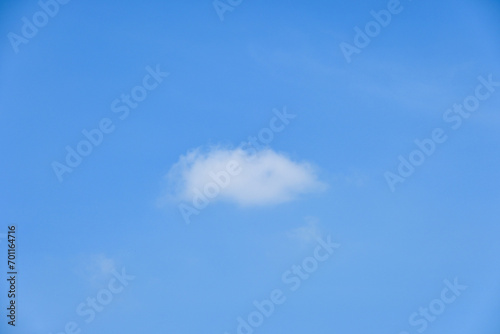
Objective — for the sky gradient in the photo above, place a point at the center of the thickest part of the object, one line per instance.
(167, 92)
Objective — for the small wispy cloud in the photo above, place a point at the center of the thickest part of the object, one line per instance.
(94, 268)
(235, 175)
(307, 233)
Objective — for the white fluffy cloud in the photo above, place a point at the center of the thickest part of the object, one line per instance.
(265, 177)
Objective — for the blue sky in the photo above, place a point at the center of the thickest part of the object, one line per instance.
(322, 175)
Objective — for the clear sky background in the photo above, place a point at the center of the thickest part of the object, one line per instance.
(118, 211)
